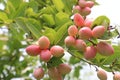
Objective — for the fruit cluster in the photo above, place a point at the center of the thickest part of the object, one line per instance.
(43, 49)
(82, 31)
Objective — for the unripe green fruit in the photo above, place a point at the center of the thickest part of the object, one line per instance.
(69, 41)
(90, 52)
(85, 11)
(64, 69)
(88, 22)
(33, 50)
(72, 30)
(82, 3)
(89, 4)
(116, 76)
(54, 74)
(44, 42)
(78, 20)
(80, 45)
(98, 31)
(102, 75)
(45, 55)
(105, 49)
(38, 73)
(57, 51)
(76, 9)
(85, 33)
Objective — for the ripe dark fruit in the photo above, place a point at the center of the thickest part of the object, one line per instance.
(33, 50)
(72, 30)
(105, 49)
(69, 41)
(89, 4)
(116, 76)
(80, 45)
(85, 33)
(57, 51)
(45, 55)
(98, 31)
(102, 75)
(78, 20)
(64, 68)
(38, 73)
(43, 42)
(90, 52)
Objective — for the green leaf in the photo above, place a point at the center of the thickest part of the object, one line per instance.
(77, 71)
(3, 16)
(16, 3)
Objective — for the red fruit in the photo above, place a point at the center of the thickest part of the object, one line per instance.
(45, 55)
(44, 42)
(85, 11)
(38, 73)
(72, 30)
(116, 76)
(105, 49)
(82, 3)
(33, 50)
(89, 4)
(98, 31)
(57, 51)
(54, 74)
(102, 75)
(80, 45)
(78, 20)
(85, 33)
(64, 69)
(76, 9)
(88, 22)
(69, 41)
(90, 52)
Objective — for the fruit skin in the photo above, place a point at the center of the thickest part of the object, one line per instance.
(85, 33)
(57, 51)
(105, 49)
(78, 20)
(38, 73)
(69, 41)
(45, 55)
(72, 30)
(98, 31)
(82, 3)
(64, 69)
(101, 74)
(89, 4)
(33, 50)
(88, 22)
(85, 11)
(43, 42)
(76, 9)
(116, 76)
(80, 45)
(54, 74)
(90, 52)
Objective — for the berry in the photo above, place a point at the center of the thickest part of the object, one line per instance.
(82, 3)
(89, 4)
(69, 41)
(72, 30)
(76, 9)
(45, 55)
(38, 73)
(88, 22)
(102, 75)
(116, 76)
(85, 11)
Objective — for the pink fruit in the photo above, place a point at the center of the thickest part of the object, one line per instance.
(90, 52)
(85, 33)
(76, 9)
(86, 11)
(101, 74)
(116, 76)
(54, 74)
(44, 42)
(105, 49)
(57, 51)
(80, 45)
(82, 3)
(38, 73)
(64, 69)
(88, 22)
(89, 4)
(98, 31)
(45, 55)
(78, 20)
(33, 50)
(72, 30)
(69, 41)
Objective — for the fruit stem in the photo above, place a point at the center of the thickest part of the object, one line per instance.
(92, 42)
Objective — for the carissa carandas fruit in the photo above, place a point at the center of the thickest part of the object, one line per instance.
(38, 73)
(101, 74)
